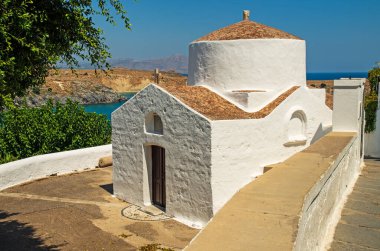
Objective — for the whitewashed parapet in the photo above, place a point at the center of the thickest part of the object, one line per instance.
(323, 204)
(21, 171)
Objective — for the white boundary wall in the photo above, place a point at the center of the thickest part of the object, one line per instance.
(323, 205)
(37, 167)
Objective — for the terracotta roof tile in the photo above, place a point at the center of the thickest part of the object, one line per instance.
(247, 29)
(216, 107)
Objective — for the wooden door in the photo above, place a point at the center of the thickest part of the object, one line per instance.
(158, 176)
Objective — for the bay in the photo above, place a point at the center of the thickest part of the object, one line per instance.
(107, 109)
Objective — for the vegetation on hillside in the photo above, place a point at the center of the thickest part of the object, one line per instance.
(26, 132)
(371, 99)
(35, 35)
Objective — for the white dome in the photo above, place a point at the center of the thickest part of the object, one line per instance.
(248, 56)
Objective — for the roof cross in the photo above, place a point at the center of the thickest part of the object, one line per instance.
(246, 14)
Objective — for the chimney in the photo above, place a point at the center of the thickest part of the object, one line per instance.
(246, 14)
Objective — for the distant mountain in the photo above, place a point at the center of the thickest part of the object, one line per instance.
(177, 63)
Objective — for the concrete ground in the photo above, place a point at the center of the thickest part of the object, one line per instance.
(77, 212)
(359, 226)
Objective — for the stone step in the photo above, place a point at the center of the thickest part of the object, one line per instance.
(360, 236)
(353, 217)
(366, 195)
(363, 206)
(345, 246)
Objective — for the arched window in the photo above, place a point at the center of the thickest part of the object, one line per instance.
(297, 127)
(153, 124)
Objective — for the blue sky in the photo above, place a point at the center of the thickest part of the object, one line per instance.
(341, 35)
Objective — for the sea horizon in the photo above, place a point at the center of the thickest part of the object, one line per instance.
(329, 75)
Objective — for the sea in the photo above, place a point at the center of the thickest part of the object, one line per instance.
(107, 109)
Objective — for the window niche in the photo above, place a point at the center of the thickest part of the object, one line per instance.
(297, 129)
(153, 124)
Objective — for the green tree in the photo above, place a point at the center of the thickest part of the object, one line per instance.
(371, 99)
(36, 34)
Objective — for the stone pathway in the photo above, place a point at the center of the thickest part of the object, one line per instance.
(78, 212)
(359, 226)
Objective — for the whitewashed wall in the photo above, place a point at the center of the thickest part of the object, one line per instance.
(187, 142)
(21, 171)
(322, 206)
(348, 96)
(241, 148)
(248, 64)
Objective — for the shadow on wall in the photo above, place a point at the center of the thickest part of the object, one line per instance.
(321, 131)
(15, 235)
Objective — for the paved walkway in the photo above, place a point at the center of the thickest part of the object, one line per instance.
(77, 212)
(359, 226)
(264, 215)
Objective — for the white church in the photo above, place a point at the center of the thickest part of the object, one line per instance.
(189, 149)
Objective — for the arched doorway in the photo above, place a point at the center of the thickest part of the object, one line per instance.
(158, 176)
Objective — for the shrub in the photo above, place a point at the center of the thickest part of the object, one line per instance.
(371, 103)
(26, 132)
(370, 107)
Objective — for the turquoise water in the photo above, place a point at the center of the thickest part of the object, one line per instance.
(107, 109)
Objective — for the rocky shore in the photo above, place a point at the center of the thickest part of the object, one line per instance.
(83, 92)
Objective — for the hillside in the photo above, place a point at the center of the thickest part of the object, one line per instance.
(88, 87)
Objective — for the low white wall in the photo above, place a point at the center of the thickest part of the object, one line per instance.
(21, 171)
(323, 205)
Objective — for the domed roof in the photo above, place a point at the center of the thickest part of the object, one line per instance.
(247, 29)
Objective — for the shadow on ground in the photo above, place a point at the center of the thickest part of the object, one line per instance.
(15, 235)
(371, 158)
(108, 188)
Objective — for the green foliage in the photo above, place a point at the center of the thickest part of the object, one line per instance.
(36, 34)
(371, 100)
(370, 107)
(26, 132)
(374, 77)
